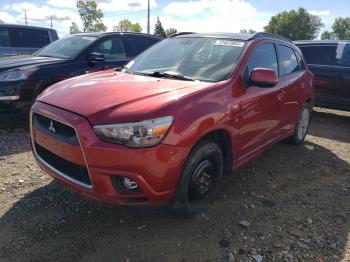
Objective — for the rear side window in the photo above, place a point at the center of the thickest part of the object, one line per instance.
(263, 56)
(331, 55)
(137, 45)
(112, 48)
(289, 63)
(5, 40)
(26, 37)
(301, 61)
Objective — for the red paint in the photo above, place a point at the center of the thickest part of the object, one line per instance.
(254, 117)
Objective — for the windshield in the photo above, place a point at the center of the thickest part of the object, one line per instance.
(203, 59)
(67, 47)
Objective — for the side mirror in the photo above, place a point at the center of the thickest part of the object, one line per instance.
(95, 57)
(263, 77)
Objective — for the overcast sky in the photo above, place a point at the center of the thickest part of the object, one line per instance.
(194, 15)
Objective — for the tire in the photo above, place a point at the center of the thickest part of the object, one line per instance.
(302, 125)
(200, 179)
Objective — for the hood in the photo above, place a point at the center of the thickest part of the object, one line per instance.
(7, 63)
(114, 96)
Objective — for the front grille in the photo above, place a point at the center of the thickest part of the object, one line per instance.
(55, 129)
(65, 167)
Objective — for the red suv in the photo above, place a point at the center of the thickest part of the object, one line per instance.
(169, 125)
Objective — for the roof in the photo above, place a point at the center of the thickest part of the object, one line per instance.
(320, 42)
(26, 26)
(236, 36)
(100, 34)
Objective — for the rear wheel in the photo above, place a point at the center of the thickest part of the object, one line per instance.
(302, 126)
(200, 179)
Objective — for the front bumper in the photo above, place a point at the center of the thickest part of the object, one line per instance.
(156, 170)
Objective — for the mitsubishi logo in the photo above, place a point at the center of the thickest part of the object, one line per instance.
(51, 127)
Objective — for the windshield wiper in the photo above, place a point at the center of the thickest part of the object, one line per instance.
(167, 75)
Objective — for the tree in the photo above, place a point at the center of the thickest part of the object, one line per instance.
(170, 31)
(327, 35)
(2, 22)
(341, 28)
(74, 29)
(159, 30)
(295, 25)
(126, 25)
(91, 16)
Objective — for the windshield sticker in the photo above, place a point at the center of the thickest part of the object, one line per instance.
(88, 38)
(229, 43)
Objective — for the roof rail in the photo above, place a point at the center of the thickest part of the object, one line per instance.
(264, 34)
(181, 33)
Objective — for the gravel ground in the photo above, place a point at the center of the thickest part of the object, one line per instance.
(290, 204)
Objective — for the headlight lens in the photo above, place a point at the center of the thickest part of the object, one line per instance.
(140, 134)
(15, 74)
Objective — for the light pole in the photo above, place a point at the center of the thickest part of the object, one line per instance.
(148, 14)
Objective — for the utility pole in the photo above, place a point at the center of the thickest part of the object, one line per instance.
(148, 15)
(51, 21)
(25, 16)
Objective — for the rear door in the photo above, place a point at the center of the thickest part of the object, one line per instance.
(331, 67)
(261, 118)
(293, 81)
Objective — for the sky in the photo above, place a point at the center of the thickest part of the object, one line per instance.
(184, 15)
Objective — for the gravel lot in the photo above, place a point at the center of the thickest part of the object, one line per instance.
(290, 204)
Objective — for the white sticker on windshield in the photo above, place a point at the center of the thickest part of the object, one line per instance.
(89, 38)
(229, 43)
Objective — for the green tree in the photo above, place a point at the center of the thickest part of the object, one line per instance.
(341, 28)
(327, 35)
(74, 28)
(91, 16)
(170, 31)
(295, 25)
(159, 30)
(126, 25)
(245, 31)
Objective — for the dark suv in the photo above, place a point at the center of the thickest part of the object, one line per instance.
(329, 61)
(23, 78)
(24, 40)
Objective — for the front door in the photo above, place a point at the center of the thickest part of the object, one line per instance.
(260, 108)
(114, 52)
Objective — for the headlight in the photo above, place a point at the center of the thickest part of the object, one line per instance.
(15, 74)
(139, 134)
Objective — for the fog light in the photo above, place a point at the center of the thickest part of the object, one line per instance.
(125, 185)
(128, 183)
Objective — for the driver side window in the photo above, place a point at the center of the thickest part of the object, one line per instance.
(112, 48)
(263, 56)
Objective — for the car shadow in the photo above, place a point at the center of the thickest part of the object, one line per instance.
(276, 193)
(325, 122)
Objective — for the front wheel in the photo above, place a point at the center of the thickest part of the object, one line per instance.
(302, 126)
(200, 179)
